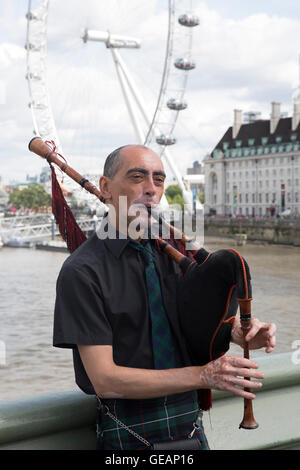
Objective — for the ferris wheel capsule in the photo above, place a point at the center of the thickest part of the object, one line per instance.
(188, 20)
(165, 140)
(184, 64)
(176, 104)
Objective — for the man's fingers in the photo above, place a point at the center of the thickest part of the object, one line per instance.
(242, 362)
(243, 372)
(241, 393)
(258, 326)
(245, 383)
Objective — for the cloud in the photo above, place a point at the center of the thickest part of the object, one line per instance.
(241, 63)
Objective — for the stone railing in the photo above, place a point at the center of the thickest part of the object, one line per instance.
(67, 420)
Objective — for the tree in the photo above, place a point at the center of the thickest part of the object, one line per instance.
(174, 195)
(33, 196)
(172, 190)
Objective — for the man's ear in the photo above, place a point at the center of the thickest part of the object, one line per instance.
(104, 184)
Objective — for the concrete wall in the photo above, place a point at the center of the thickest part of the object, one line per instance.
(67, 420)
(277, 232)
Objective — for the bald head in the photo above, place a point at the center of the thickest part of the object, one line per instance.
(113, 161)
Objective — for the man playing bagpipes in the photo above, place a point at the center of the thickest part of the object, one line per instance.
(116, 307)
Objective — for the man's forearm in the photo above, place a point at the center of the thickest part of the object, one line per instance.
(126, 382)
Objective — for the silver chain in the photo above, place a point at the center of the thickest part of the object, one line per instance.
(113, 417)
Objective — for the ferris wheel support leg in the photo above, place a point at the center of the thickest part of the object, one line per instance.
(188, 198)
(133, 88)
(138, 131)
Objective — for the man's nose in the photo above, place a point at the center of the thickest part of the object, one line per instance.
(149, 188)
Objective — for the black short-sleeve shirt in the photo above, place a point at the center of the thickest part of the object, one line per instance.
(102, 300)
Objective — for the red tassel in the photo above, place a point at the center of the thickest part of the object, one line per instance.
(204, 399)
(68, 227)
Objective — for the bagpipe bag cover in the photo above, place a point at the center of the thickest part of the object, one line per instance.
(209, 289)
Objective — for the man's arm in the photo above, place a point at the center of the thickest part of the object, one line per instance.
(112, 381)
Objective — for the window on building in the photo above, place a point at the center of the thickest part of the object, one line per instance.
(289, 182)
(267, 197)
(274, 172)
(296, 197)
(278, 139)
(274, 183)
(238, 143)
(247, 198)
(273, 198)
(264, 140)
(251, 142)
(259, 197)
(296, 171)
(253, 198)
(267, 173)
(296, 182)
(293, 137)
(247, 211)
(288, 197)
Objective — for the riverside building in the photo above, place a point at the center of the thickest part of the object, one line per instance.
(254, 170)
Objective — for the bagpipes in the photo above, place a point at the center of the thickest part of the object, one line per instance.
(211, 288)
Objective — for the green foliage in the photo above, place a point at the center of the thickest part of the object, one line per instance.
(33, 196)
(174, 195)
(173, 190)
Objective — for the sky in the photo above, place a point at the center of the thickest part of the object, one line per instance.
(246, 55)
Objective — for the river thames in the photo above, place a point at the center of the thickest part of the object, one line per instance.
(30, 365)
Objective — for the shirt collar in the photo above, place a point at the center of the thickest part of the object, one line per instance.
(114, 240)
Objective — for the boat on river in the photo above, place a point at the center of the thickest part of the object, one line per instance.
(52, 245)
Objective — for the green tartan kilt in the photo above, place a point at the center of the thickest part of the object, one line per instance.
(156, 420)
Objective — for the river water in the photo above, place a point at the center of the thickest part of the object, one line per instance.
(29, 365)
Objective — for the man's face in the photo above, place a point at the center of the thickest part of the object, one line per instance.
(140, 179)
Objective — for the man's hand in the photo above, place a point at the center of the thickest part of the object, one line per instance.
(260, 335)
(226, 372)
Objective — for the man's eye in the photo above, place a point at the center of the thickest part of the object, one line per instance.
(138, 176)
(159, 180)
